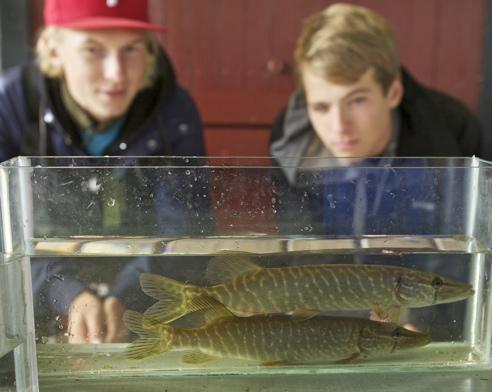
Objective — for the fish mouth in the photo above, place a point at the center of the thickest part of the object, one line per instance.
(412, 339)
(453, 292)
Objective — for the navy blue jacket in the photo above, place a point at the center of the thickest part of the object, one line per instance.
(162, 121)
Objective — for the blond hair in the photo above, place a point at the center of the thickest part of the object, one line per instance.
(343, 41)
(52, 34)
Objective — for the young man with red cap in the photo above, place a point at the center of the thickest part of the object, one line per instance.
(101, 85)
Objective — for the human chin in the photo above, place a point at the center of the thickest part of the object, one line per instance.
(346, 148)
(348, 156)
(114, 106)
(349, 160)
(104, 113)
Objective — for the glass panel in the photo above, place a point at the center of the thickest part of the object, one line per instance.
(261, 247)
(18, 369)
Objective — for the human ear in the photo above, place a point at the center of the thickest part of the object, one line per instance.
(54, 56)
(51, 52)
(395, 93)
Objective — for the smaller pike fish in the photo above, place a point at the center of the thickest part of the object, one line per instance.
(247, 289)
(273, 340)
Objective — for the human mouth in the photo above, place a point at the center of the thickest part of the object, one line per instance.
(114, 94)
(346, 145)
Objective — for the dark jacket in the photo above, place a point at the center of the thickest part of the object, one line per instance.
(162, 121)
(367, 198)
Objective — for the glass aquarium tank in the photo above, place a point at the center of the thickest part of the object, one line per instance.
(148, 271)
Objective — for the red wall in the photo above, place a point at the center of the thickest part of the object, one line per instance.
(235, 56)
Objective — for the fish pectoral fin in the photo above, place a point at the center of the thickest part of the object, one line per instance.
(390, 314)
(143, 348)
(304, 314)
(221, 269)
(351, 359)
(276, 362)
(194, 357)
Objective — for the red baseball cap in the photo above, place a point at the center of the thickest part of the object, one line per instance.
(99, 14)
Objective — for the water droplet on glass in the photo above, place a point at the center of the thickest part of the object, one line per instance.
(331, 201)
(187, 172)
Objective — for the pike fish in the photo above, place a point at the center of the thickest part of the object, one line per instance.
(272, 339)
(247, 289)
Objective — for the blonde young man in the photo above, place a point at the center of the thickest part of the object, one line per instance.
(101, 86)
(355, 100)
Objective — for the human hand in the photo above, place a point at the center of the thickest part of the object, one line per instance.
(91, 320)
(116, 331)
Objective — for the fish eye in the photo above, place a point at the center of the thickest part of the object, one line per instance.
(397, 333)
(437, 282)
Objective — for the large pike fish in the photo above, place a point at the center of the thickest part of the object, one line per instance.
(247, 289)
(273, 340)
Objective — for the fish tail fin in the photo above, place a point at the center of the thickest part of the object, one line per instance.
(155, 337)
(175, 299)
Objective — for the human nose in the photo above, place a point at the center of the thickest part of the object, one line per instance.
(114, 68)
(339, 119)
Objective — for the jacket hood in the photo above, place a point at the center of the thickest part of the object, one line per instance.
(298, 140)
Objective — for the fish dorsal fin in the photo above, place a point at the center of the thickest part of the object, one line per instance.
(386, 314)
(194, 357)
(222, 269)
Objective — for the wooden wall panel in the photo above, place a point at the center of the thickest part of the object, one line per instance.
(459, 49)
(235, 141)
